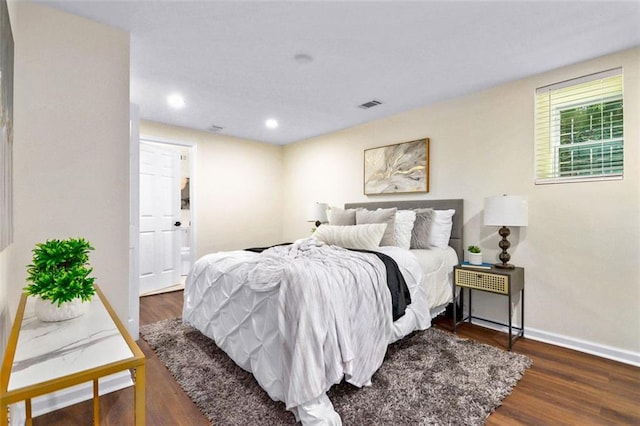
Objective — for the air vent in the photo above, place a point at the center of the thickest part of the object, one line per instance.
(370, 104)
(213, 128)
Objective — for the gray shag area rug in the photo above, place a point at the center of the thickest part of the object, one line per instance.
(428, 378)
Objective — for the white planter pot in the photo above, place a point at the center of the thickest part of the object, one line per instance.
(475, 258)
(51, 312)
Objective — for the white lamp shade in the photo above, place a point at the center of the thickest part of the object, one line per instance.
(317, 212)
(506, 210)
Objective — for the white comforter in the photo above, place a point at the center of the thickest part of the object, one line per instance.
(302, 317)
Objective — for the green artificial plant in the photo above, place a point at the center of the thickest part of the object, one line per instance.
(474, 249)
(60, 271)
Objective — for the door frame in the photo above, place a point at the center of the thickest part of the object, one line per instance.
(134, 228)
(133, 321)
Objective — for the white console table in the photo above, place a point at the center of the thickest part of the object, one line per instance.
(45, 357)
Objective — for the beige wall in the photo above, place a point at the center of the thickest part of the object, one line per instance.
(581, 247)
(5, 314)
(71, 179)
(238, 188)
(71, 143)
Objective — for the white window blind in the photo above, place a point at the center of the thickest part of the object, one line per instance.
(579, 129)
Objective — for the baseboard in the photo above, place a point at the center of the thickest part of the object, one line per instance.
(603, 351)
(133, 328)
(66, 397)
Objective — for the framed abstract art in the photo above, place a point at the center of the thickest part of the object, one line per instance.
(6, 128)
(397, 169)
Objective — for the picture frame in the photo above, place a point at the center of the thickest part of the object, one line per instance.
(6, 128)
(397, 169)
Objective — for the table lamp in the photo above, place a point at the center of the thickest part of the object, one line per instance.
(317, 212)
(504, 211)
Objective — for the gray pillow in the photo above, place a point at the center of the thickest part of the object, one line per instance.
(340, 217)
(387, 216)
(422, 228)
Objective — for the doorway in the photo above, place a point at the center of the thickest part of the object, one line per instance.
(166, 223)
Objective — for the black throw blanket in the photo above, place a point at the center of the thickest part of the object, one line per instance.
(400, 295)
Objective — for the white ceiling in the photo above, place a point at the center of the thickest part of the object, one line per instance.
(234, 61)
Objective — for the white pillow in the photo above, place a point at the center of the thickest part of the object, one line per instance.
(403, 227)
(441, 228)
(365, 237)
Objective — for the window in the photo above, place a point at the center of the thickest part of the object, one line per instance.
(579, 129)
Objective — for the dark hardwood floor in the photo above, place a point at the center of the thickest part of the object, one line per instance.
(563, 386)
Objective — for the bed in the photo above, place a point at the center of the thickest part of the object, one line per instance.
(298, 340)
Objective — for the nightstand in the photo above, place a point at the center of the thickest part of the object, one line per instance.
(505, 282)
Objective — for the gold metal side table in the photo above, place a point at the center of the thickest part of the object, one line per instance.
(46, 357)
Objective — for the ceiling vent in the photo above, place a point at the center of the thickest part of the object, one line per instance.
(213, 128)
(370, 104)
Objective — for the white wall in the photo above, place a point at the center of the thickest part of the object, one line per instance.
(581, 247)
(71, 143)
(238, 188)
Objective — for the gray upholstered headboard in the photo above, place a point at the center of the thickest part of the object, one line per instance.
(456, 204)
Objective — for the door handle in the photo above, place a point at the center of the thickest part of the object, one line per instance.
(178, 223)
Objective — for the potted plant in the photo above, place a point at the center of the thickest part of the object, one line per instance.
(59, 277)
(475, 255)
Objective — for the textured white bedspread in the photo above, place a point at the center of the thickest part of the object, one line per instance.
(334, 315)
(301, 317)
(437, 267)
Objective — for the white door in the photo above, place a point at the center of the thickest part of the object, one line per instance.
(159, 216)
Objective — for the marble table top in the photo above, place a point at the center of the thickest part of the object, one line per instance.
(47, 351)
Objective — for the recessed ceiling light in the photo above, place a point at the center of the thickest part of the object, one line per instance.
(303, 58)
(271, 123)
(176, 101)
